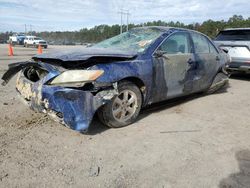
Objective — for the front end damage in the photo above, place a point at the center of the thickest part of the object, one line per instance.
(73, 105)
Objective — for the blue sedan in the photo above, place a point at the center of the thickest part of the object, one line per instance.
(119, 76)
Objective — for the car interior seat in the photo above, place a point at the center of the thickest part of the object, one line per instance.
(170, 47)
(182, 48)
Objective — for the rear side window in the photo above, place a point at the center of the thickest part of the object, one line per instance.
(201, 44)
(212, 49)
(233, 35)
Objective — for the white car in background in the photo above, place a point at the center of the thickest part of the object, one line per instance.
(236, 41)
(35, 41)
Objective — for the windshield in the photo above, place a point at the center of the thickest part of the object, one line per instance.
(37, 38)
(137, 39)
(234, 35)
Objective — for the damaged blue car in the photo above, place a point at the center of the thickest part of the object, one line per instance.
(119, 76)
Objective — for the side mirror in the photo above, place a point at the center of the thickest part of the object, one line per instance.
(224, 49)
(159, 53)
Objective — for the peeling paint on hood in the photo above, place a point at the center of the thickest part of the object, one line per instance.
(82, 54)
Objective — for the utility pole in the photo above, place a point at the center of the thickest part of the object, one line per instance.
(127, 19)
(123, 12)
(31, 29)
(121, 21)
(25, 29)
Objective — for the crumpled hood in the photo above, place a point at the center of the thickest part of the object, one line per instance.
(83, 53)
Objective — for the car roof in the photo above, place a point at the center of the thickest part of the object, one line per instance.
(234, 29)
(165, 28)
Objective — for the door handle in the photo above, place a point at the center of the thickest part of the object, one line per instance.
(217, 58)
(165, 56)
(190, 61)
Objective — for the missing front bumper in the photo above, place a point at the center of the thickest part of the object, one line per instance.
(72, 107)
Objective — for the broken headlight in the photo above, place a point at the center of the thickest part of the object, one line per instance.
(76, 78)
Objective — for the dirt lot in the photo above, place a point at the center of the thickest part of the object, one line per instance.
(199, 141)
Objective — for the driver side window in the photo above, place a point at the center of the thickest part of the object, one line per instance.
(176, 44)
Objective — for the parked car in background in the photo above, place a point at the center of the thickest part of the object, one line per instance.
(119, 76)
(2, 41)
(237, 42)
(17, 39)
(34, 41)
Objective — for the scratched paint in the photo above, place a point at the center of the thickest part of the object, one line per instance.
(158, 78)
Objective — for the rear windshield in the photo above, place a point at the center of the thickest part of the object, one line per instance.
(234, 35)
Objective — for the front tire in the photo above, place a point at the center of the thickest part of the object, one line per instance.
(124, 108)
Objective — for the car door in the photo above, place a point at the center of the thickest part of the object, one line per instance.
(206, 62)
(171, 62)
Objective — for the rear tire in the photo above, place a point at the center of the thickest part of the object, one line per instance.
(219, 82)
(124, 108)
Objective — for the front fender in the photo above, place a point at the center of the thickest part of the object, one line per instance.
(114, 72)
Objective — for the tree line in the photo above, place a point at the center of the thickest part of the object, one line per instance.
(101, 32)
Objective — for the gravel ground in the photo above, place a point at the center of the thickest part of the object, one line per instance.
(197, 141)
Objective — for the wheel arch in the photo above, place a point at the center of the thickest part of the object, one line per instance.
(139, 83)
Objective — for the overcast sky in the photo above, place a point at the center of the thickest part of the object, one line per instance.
(75, 14)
